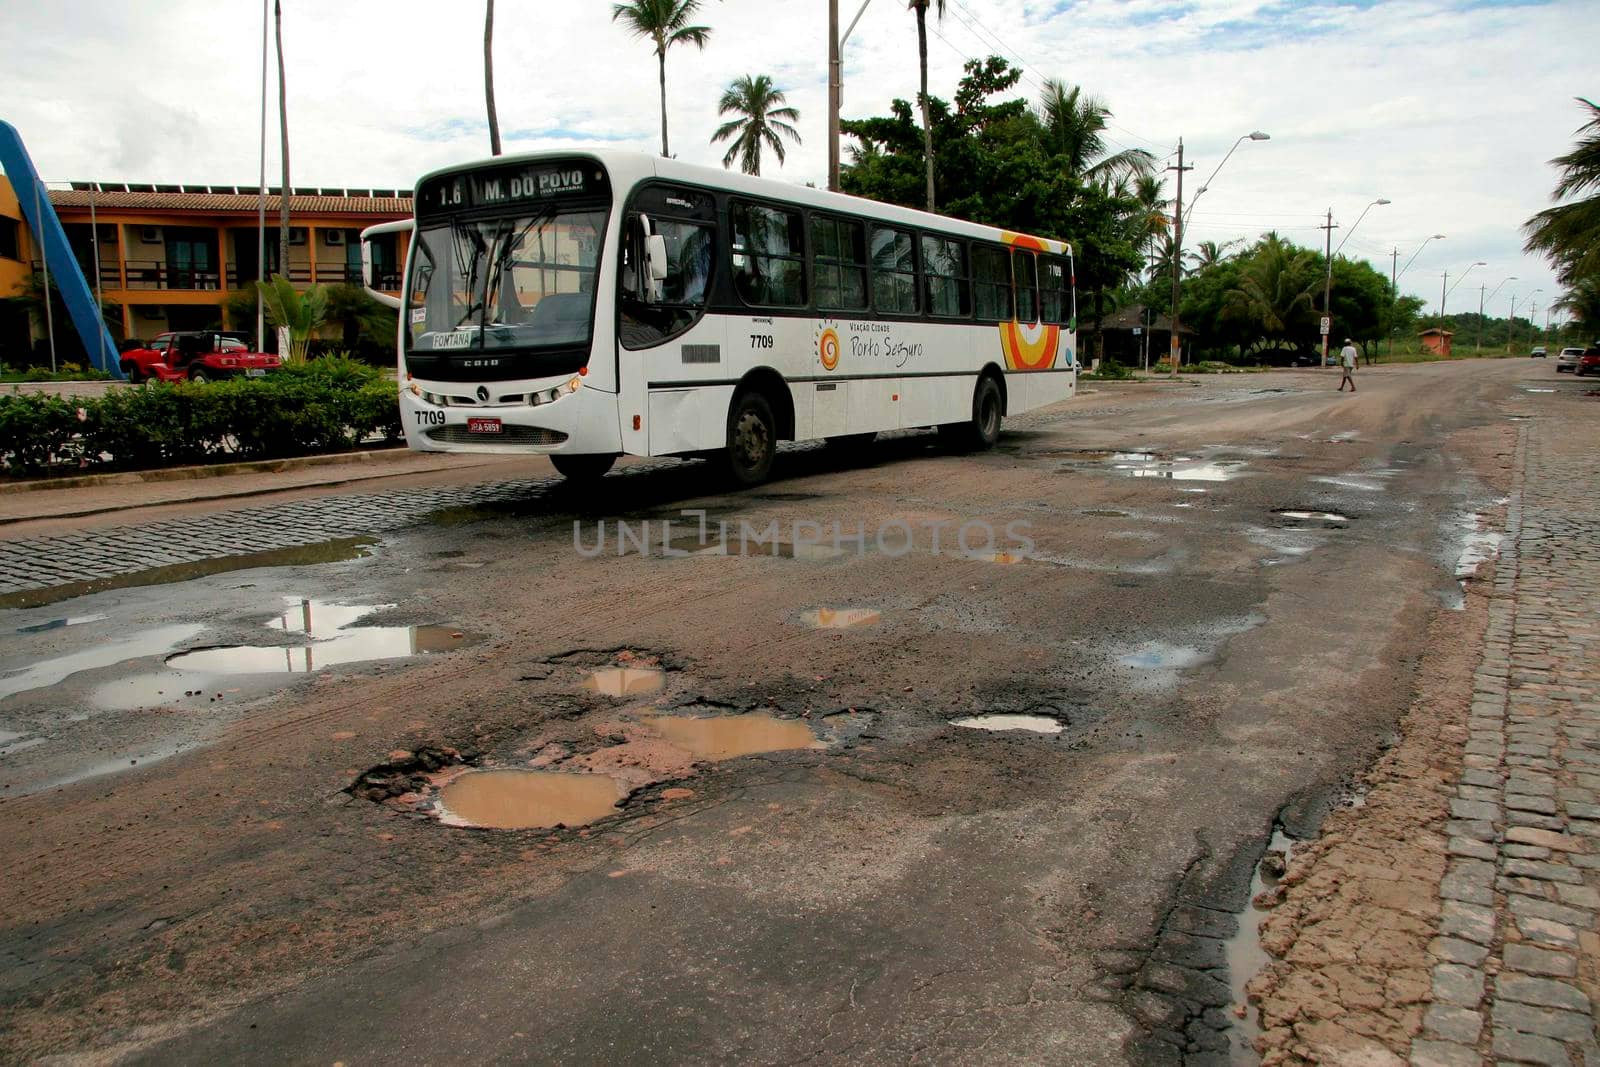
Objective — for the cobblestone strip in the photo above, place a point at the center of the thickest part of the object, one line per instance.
(1516, 949)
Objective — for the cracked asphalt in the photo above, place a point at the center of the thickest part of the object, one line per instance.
(1225, 607)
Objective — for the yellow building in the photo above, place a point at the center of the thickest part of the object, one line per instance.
(171, 255)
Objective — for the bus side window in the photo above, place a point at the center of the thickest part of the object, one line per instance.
(1027, 278)
(991, 278)
(1054, 304)
(768, 255)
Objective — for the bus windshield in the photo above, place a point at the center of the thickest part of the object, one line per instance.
(525, 281)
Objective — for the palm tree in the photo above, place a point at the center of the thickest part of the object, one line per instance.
(664, 23)
(1570, 233)
(1210, 253)
(1276, 290)
(921, 8)
(760, 120)
(488, 77)
(1582, 302)
(299, 313)
(1073, 126)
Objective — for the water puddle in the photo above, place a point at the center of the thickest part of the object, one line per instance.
(723, 737)
(1478, 545)
(1538, 390)
(625, 681)
(1311, 516)
(336, 551)
(334, 638)
(997, 557)
(1356, 484)
(48, 672)
(1105, 513)
(527, 800)
(1038, 724)
(58, 624)
(1184, 470)
(1160, 656)
(1245, 955)
(841, 618)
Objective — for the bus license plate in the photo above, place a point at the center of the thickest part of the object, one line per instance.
(483, 425)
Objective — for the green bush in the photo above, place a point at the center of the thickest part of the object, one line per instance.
(327, 405)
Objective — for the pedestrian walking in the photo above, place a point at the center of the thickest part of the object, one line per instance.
(1347, 360)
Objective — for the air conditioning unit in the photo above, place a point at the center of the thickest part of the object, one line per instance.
(297, 235)
(150, 235)
(333, 237)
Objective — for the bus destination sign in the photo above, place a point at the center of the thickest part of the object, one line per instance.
(510, 186)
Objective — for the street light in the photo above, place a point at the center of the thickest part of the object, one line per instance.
(1327, 281)
(1255, 135)
(1394, 281)
(836, 83)
(1478, 348)
(1444, 294)
(1175, 342)
(1511, 324)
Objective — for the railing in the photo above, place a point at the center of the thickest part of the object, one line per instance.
(327, 274)
(152, 274)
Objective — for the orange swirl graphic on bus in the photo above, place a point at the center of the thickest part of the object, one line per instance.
(828, 348)
(1029, 346)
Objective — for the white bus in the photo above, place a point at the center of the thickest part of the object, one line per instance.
(587, 305)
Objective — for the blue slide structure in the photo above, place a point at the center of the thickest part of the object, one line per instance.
(64, 270)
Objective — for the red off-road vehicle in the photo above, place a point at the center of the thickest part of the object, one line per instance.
(198, 355)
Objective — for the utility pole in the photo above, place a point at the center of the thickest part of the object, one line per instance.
(1477, 348)
(1394, 295)
(834, 103)
(1175, 351)
(1327, 288)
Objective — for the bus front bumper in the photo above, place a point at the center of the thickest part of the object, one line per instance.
(584, 422)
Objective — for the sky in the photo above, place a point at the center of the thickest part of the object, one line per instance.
(1450, 109)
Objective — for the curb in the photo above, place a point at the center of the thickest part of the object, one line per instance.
(208, 470)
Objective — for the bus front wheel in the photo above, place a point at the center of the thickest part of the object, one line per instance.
(983, 429)
(582, 468)
(752, 439)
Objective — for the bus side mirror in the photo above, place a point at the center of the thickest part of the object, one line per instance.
(367, 271)
(655, 255)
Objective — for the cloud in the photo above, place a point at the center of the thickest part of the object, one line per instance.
(1450, 108)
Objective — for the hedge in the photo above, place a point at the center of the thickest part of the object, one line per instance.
(326, 405)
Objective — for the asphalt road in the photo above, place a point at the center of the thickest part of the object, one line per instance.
(1226, 629)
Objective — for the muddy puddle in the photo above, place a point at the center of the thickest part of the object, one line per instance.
(1472, 544)
(1176, 468)
(334, 637)
(841, 618)
(48, 672)
(527, 800)
(1038, 724)
(336, 551)
(625, 681)
(1244, 953)
(1104, 513)
(1359, 484)
(61, 624)
(1160, 656)
(724, 737)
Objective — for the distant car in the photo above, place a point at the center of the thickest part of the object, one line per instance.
(1568, 359)
(196, 355)
(1589, 362)
(1538, 352)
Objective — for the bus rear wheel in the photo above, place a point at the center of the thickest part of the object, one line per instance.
(983, 429)
(752, 439)
(582, 468)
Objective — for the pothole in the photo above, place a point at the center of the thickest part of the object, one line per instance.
(1038, 724)
(48, 672)
(334, 638)
(841, 618)
(724, 737)
(1300, 515)
(1244, 953)
(58, 624)
(1180, 469)
(406, 772)
(625, 681)
(512, 799)
(1160, 656)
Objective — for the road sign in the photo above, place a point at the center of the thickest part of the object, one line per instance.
(1137, 330)
(1326, 323)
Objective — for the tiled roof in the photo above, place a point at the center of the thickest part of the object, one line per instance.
(226, 203)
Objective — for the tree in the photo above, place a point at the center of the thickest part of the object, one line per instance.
(759, 120)
(1274, 294)
(352, 309)
(921, 9)
(299, 313)
(488, 77)
(1073, 126)
(664, 23)
(1210, 253)
(1582, 302)
(1570, 233)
